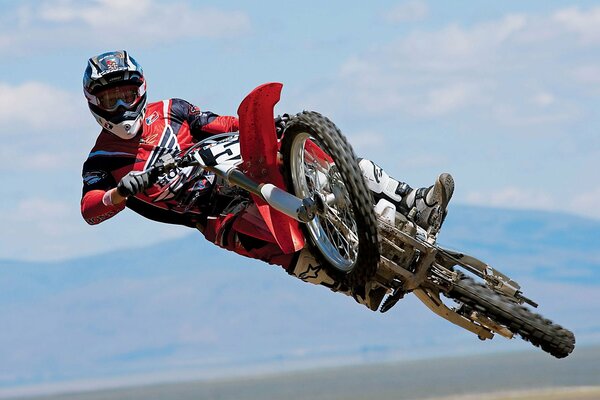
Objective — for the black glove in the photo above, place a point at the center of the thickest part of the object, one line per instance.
(134, 183)
(280, 122)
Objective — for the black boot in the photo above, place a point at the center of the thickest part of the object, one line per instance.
(431, 203)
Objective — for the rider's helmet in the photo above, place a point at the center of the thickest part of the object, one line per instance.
(115, 88)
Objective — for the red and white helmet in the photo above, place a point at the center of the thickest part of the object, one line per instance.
(115, 88)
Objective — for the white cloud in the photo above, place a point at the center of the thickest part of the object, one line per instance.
(445, 99)
(93, 13)
(520, 115)
(584, 204)
(428, 74)
(543, 99)
(125, 23)
(366, 140)
(5, 41)
(37, 220)
(45, 161)
(454, 47)
(36, 105)
(513, 197)
(30, 210)
(588, 75)
(584, 23)
(413, 10)
(49, 125)
(503, 70)
(587, 203)
(47, 229)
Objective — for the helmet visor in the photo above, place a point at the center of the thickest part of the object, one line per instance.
(118, 96)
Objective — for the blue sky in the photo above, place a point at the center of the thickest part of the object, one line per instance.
(504, 95)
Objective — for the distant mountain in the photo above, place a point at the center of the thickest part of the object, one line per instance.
(553, 246)
(186, 308)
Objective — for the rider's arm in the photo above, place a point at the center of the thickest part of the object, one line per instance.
(94, 209)
(203, 123)
(100, 199)
(221, 124)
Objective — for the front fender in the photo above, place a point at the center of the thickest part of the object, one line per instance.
(259, 149)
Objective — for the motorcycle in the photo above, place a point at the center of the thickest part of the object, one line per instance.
(310, 191)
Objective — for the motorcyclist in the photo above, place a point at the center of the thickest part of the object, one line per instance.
(136, 134)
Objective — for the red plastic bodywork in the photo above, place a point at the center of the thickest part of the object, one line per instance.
(259, 149)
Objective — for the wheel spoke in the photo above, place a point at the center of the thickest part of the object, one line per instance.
(335, 230)
(340, 224)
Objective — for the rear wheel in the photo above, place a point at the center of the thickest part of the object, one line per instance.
(320, 164)
(541, 332)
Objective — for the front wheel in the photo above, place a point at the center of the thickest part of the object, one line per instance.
(319, 163)
(532, 327)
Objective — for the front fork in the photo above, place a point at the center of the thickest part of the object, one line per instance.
(302, 210)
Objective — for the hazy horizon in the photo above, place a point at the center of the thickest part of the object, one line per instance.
(508, 373)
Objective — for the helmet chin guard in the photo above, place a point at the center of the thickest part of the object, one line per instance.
(126, 129)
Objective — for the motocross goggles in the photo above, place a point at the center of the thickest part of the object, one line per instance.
(111, 98)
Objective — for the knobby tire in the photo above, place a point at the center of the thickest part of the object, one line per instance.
(532, 327)
(335, 144)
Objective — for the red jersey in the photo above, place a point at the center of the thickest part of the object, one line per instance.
(169, 126)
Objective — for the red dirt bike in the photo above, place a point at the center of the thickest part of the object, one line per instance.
(310, 191)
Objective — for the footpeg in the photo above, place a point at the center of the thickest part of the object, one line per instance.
(392, 299)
